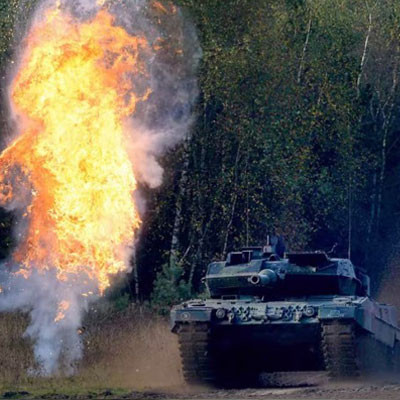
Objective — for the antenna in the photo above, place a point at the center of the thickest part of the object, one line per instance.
(350, 218)
(247, 217)
(247, 197)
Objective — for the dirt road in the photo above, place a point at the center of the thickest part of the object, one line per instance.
(326, 392)
(337, 392)
(295, 386)
(320, 392)
(281, 387)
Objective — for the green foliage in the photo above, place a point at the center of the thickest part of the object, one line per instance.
(290, 132)
(169, 288)
(14, 17)
(122, 302)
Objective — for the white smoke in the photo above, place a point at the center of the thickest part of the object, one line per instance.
(57, 345)
(158, 124)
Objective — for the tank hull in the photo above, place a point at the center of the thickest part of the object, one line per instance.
(244, 337)
(306, 311)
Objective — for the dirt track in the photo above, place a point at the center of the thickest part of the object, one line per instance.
(346, 392)
(293, 386)
(343, 392)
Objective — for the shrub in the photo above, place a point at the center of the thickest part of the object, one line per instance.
(169, 288)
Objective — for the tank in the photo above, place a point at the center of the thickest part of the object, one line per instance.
(304, 311)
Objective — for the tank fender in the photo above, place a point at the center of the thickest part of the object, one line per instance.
(368, 315)
(182, 315)
(336, 312)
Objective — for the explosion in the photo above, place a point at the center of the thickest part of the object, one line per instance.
(73, 90)
(71, 170)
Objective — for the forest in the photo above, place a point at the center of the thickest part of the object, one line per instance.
(295, 133)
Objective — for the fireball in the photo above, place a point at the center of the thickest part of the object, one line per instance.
(76, 84)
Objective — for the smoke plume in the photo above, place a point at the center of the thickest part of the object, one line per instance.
(161, 92)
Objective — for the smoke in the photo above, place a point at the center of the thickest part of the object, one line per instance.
(56, 304)
(57, 345)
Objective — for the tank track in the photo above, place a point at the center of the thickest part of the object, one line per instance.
(195, 348)
(339, 349)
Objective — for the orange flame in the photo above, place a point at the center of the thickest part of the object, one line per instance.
(62, 308)
(72, 93)
(160, 7)
(168, 8)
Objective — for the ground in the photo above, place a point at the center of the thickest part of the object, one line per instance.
(290, 386)
(134, 356)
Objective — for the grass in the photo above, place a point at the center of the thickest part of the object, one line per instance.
(125, 351)
(64, 389)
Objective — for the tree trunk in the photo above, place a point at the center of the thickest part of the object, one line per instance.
(233, 206)
(303, 55)
(364, 55)
(175, 245)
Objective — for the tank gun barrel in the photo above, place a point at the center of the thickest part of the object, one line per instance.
(266, 277)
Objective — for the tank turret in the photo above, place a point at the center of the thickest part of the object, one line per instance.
(254, 271)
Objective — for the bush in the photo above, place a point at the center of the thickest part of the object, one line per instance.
(169, 288)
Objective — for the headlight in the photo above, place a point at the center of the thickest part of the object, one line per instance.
(220, 313)
(309, 311)
(185, 316)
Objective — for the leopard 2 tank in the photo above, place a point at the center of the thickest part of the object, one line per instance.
(305, 311)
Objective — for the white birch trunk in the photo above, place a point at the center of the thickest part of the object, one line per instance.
(364, 54)
(303, 55)
(174, 248)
